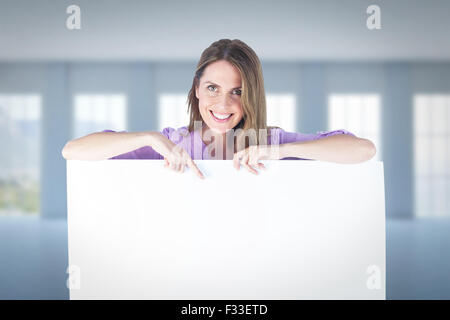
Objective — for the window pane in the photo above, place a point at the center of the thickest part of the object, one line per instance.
(97, 112)
(355, 110)
(438, 112)
(421, 115)
(358, 113)
(422, 150)
(371, 114)
(439, 159)
(20, 132)
(281, 111)
(173, 110)
(337, 116)
(432, 149)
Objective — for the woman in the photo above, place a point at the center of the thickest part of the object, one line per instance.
(227, 109)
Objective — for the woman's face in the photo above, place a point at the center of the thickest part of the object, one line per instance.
(219, 95)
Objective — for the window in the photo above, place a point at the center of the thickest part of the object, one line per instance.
(359, 114)
(281, 111)
(431, 155)
(173, 111)
(20, 133)
(97, 112)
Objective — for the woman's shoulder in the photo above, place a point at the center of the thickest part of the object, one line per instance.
(175, 133)
(173, 129)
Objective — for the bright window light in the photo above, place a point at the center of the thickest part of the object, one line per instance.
(281, 111)
(173, 111)
(20, 141)
(97, 112)
(432, 155)
(359, 114)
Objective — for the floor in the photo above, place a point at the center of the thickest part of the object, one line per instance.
(33, 259)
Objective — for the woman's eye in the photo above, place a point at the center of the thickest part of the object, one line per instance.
(213, 89)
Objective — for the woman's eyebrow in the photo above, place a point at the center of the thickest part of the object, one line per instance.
(219, 85)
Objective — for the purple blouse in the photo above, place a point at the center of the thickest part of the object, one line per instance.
(194, 145)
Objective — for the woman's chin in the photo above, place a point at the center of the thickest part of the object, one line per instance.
(220, 129)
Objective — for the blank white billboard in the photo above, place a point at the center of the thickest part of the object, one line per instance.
(298, 230)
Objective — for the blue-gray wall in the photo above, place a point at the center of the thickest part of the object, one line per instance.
(57, 82)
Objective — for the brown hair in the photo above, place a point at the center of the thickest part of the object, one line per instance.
(253, 100)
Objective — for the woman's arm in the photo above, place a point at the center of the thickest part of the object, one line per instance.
(341, 148)
(104, 145)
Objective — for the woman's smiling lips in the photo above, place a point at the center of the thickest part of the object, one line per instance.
(220, 117)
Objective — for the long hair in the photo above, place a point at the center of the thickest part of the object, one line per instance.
(253, 98)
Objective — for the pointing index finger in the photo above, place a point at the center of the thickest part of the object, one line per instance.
(194, 167)
(236, 160)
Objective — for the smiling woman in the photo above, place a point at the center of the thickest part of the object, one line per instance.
(227, 120)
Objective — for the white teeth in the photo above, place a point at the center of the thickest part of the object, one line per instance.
(221, 116)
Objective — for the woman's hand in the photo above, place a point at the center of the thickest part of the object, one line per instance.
(175, 157)
(249, 157)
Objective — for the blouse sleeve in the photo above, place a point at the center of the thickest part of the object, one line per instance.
(145, 152)
(288, 137)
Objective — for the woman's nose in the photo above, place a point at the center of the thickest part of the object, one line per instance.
(224, 101)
